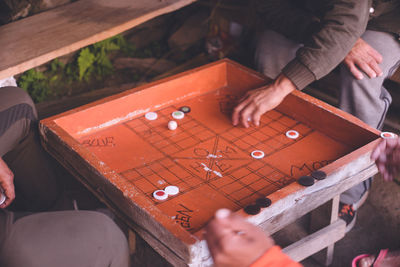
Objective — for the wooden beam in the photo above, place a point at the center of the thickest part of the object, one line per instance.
(312, 200)
(334, 217)
(317, 241)
(35, 40)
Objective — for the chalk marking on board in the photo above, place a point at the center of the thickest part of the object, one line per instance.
(114, 121)
(214, 156)
(207, 169)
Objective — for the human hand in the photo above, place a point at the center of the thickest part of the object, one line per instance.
(235, 242)
(7, 183)
(387, 157)
(362, 57)
(256, 102)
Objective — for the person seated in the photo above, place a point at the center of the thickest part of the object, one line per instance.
(387, 158)
(358, 37)
(31, 232)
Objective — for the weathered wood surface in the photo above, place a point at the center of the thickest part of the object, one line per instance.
(35, 40)
(164, 234)
(307, 200)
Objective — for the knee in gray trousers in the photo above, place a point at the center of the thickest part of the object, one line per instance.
(62, 239)
(368, 99)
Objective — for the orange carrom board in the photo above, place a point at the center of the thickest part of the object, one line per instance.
(124, 157)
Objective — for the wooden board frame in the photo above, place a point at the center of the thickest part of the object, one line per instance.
(33, 41)
(173, 242)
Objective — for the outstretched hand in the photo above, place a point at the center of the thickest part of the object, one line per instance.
(6, 183)
(256, 102)
(387, 158)
(363, 58)
(235, 242)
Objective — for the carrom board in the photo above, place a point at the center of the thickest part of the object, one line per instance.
(124, 157)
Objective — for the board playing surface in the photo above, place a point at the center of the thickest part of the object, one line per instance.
(123, 157)
(208, 158)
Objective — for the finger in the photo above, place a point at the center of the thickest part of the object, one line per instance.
(383, 157)
(376, 55)
(218, 227)
(230, 222)
(245, 115)
(237, 110)
(240, 227)
(366, 69)
(378, 149)
(375, 67)
(8, 191)
(392, 143)
(256, 117)
(6, 203)
(353, 69)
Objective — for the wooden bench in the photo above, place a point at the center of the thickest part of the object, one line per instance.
(35, 40)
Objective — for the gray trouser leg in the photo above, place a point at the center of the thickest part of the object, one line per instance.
(273, 52)
(367, 99)
(62, 239)
(36, 185)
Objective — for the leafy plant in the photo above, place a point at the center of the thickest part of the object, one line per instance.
(35, 83)
(94, 59)
(56, 64)
(91, 62)
(85, 63)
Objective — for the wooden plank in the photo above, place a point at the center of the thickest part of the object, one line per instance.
(308, 201)
(35, 40)
(334, 217)
(315, 242)
(131, 242)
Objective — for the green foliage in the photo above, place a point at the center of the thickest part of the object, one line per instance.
(56, 64)
(85, 63)
(91, 62)
(35, 83)
(94, 60)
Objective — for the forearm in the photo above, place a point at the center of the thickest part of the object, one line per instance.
(324, 50)
(283, 85)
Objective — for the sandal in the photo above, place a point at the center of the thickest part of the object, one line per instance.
(375, 263)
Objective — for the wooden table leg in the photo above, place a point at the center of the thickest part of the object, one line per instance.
(334, 217)
(132, 242)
